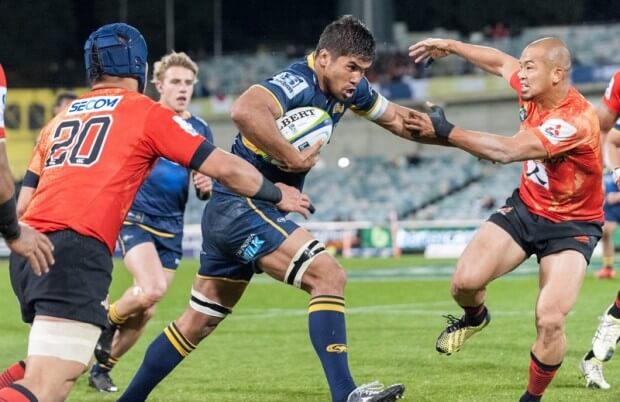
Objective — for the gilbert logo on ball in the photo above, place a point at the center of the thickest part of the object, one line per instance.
(304, 127)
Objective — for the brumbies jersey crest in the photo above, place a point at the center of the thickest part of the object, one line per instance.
(164, 193)
(297, 86)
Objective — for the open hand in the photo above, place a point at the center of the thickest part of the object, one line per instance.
(36, 247)
(294, 200)
(429, 48)
(203, 183)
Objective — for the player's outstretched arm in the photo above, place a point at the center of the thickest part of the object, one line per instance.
(396, 120)
(243, 178)
(489, 59)
(524, 145)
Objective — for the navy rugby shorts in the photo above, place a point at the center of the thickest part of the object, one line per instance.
(169, 246)
(236, 232)
(612, 212)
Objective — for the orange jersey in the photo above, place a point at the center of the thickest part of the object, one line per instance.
(611, 99)
(91, 159)
(565, 186)
(2, 101)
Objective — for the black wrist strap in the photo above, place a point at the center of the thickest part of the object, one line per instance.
(268, 192)
(9, 226)
(442, 126)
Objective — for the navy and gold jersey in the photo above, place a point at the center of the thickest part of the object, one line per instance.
(297, 86)
(164, 192)
(610, 183)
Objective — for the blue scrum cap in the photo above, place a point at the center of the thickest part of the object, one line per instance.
(119, 50)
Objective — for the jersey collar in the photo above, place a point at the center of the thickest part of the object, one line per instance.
(310, 61)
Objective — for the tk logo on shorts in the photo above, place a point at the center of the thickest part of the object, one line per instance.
(250, 247)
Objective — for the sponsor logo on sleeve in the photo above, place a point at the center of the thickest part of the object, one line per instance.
(557, 130)
(291, 84)
(185, 125)
(96, 104)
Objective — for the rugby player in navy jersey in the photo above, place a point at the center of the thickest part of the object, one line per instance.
(243, 235)
(151, 236)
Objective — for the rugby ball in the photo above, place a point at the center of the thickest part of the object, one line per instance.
(305, 126)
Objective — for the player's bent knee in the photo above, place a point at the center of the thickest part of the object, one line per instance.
(212, 312)
(301, 262)
(325, 276)
(67, 340)
(466, 280)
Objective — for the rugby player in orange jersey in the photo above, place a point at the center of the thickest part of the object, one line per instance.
(557, 211)
(20, 238)
(87, 167)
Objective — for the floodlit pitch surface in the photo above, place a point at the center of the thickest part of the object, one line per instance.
(261, 353)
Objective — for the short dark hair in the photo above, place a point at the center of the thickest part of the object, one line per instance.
(347, 36)
(64, 95)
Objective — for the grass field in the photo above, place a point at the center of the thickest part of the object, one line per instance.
(261, 353)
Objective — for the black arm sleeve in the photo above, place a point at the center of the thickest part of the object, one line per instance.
(202, 153)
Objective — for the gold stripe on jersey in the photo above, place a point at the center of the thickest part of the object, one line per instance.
(310, 60)
(273, 96)
(150, 229)
(178, 341)
(266, 219)
(252, 147)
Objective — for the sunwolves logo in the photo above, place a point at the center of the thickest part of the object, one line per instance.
(557, 130)
(250, 247)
